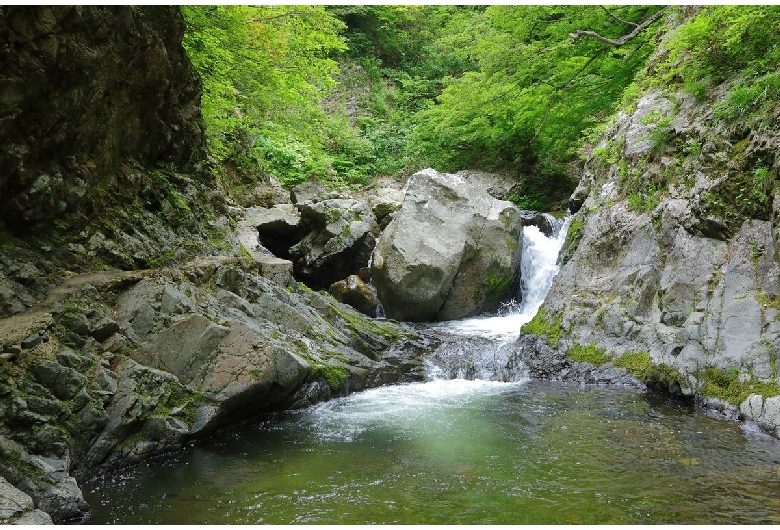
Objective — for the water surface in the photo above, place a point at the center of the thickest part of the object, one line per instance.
(463, 452)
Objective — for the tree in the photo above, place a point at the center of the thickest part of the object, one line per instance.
(264, 70)
(536, 88)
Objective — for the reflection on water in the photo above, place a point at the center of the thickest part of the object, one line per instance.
(463, 452)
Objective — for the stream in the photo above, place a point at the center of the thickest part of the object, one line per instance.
(477, 443)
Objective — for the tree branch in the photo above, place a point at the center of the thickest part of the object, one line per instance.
(613, 15)
(622, 40)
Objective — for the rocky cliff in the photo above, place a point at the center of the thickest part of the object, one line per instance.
(85, 90)
(139, 310)
(102, 158)
(671, 268)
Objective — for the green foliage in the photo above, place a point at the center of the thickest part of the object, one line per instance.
(589, 353)
(536, 90)
(725, 40)
(637, 364)
(661, 135)
(542, 325)
(725, 385)
(645, 200)
(729, 42)
(744, 195)
(264, 70)
(665, 376)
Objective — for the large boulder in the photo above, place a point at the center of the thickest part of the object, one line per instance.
(450, 252)
(342, 234)
(278, 228)
(262, 233)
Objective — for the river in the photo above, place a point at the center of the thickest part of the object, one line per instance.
(477, 443)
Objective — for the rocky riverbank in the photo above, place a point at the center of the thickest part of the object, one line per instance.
(671, 269)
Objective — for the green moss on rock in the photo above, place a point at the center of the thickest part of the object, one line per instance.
(589, 353)
(543, 325)
(725, 385)
(334, 375)
(637, 364)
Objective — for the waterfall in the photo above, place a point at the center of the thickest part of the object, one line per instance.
(539, 264)
(481, 347)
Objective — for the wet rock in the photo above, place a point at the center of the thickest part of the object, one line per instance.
(353, 291)
(310, 394)
(546, 223)
(764, 411)
(63, 500)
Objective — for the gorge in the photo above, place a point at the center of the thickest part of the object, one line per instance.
(189, 329)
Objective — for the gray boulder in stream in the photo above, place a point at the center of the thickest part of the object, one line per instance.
(450, 252)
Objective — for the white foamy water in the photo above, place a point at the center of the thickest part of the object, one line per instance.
(406, 410)
(482, 347)
(538, 267)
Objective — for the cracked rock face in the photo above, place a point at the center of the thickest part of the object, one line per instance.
(450, 252)
(341, 236)
(84, 89)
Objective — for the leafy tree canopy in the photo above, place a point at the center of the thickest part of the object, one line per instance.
(536, 88)
(264, 70)
(342, 93)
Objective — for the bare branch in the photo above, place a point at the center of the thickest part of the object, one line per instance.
(622, 40)
(611, 14)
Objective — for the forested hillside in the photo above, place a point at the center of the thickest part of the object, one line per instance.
(346, 93)
(210, 213)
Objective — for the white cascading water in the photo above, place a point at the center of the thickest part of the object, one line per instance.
(478, 347)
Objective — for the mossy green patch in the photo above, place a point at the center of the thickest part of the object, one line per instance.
(497, 286)
(637, 364)
(725, 385)
(185, 402)
(371, 327)
(589, 353)
(543, 325)
(334, 375)
(573, 238)
(664, 375)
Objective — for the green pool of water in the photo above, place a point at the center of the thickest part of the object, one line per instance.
(463, 452)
